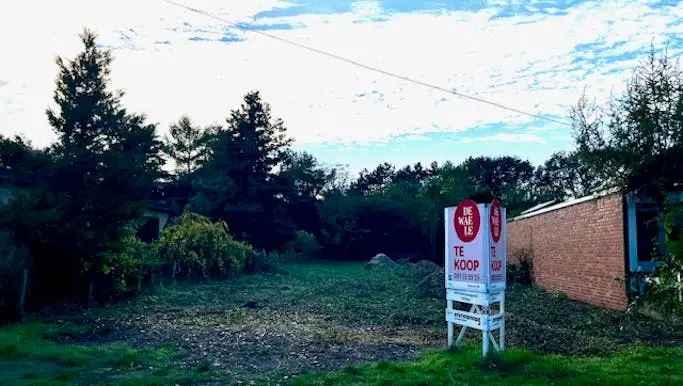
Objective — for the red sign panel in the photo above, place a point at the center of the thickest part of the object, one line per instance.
(466, 220)
(495, 220)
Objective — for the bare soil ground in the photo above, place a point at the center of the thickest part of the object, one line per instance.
(311, 317)
(268, 327)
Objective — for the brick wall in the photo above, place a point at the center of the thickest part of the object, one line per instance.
(578, 250)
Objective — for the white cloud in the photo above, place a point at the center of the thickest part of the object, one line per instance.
(523, 61)
(505, 137)
(33, 33)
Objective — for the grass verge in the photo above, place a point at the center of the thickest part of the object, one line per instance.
(30, 356)
(637, 365)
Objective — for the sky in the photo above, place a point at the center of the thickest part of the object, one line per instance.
(535, 56)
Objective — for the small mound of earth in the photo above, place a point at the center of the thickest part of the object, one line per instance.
(430, 277)
(426, 275)
(381, 260)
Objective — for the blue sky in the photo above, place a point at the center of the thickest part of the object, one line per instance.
(537, 56)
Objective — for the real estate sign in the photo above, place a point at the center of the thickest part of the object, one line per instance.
(497, 247)
(475, 247)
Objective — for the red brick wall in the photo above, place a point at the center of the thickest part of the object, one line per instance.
(578, 250)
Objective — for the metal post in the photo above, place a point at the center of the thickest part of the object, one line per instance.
(502, 325)
(494, 344)
(461, 335)
(449, 306)
(484, 343)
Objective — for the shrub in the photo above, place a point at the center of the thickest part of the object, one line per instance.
(665, 291)
(129, 263)
(197, 247)
(304, 245)
(522, 271)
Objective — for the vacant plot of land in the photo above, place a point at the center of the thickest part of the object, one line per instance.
(308, 317)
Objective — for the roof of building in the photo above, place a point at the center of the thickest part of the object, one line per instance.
(550, 206)
(539, 206)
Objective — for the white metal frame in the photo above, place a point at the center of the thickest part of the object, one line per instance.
(478, 317)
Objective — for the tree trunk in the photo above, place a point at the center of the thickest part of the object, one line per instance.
(91, 291)
(22, 294)
(175, 269)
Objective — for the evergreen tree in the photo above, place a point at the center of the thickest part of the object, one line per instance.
(373, 182)
(303, 177)
(303, 182)
(562, 176)
(412, 174)
(186, 145)
(238, 182)
(508, 178)
(637, 143)
(107, 159)
(20, 164)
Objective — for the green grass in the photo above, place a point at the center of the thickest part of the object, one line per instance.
(30, 356)
(638, 365)
(343, 291)
(336, 305)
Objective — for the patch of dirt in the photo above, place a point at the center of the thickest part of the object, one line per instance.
(263, 328)
(242, 342)
(321, 317)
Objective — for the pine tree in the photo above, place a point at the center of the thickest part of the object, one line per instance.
(107, 159)
(303, 181)
(562, 176)
(254, 142)
(238, 183)
(636, 143)
(186, 145)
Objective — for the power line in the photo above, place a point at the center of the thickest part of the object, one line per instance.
(365, 66)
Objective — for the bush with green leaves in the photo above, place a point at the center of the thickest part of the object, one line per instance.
(129, 263)
(520, 268)
(197, 247)
(666, 285)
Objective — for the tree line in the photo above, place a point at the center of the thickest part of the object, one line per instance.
(75, 206)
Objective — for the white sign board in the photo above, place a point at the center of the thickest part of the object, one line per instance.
(475, 247)
(497, 247)
(481, 322)
(476, 243)
(478, 298)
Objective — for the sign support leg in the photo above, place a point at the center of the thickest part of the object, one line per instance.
(494, 344)
(450, 335)
(449, 305)
(461, 335)
(502, 326)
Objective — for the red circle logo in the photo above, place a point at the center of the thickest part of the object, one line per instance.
(466, 220)
(495, 220)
